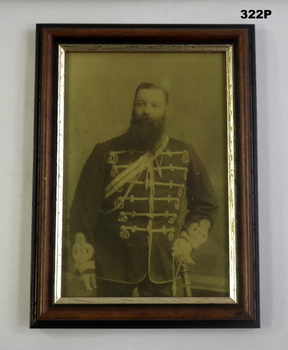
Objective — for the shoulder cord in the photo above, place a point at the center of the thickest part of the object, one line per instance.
(159, 163)
(131, 185)
(150, 180)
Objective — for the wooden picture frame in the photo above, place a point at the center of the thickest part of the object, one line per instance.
(217, 62)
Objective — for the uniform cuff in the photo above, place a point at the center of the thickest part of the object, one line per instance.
(197, 233)
(82, 253)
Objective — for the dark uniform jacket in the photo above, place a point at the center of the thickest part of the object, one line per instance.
(133, 224)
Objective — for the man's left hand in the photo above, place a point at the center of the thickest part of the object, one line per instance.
(182, 250)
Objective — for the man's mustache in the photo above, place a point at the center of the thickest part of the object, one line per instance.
(144, 117)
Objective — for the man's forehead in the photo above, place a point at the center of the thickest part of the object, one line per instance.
(156, 94)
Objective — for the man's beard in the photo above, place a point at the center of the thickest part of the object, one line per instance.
(145, 133)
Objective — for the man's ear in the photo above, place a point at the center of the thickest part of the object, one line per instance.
(167, 110)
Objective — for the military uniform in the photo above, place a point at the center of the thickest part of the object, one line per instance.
(129, 207)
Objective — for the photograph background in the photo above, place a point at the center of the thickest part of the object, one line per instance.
(99, 93)
(17, 68)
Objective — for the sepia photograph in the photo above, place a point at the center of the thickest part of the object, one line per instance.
(145, 174)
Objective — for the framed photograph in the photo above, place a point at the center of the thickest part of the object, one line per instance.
(145, 177)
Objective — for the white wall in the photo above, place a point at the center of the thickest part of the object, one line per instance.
(17, 21)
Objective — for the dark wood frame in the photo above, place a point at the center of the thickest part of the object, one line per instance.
(46, 314)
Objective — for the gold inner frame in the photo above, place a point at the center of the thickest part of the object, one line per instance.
(233, 280)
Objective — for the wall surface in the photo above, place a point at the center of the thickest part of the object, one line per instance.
(17, 60)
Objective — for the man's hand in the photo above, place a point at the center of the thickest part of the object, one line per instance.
(89, 280)
(182, 250)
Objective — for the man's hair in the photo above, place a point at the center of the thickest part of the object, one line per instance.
(151, 86)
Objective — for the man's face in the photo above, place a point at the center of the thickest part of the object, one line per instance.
(150, 103)
(147, 124)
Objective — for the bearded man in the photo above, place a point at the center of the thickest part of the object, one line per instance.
(126, 213)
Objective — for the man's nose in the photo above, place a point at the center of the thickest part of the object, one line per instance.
(148, 109)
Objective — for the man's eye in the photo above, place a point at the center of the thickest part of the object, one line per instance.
(154, 105)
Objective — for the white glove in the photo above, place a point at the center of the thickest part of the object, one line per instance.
(89, 280)
(188, 241)
(182, 250)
